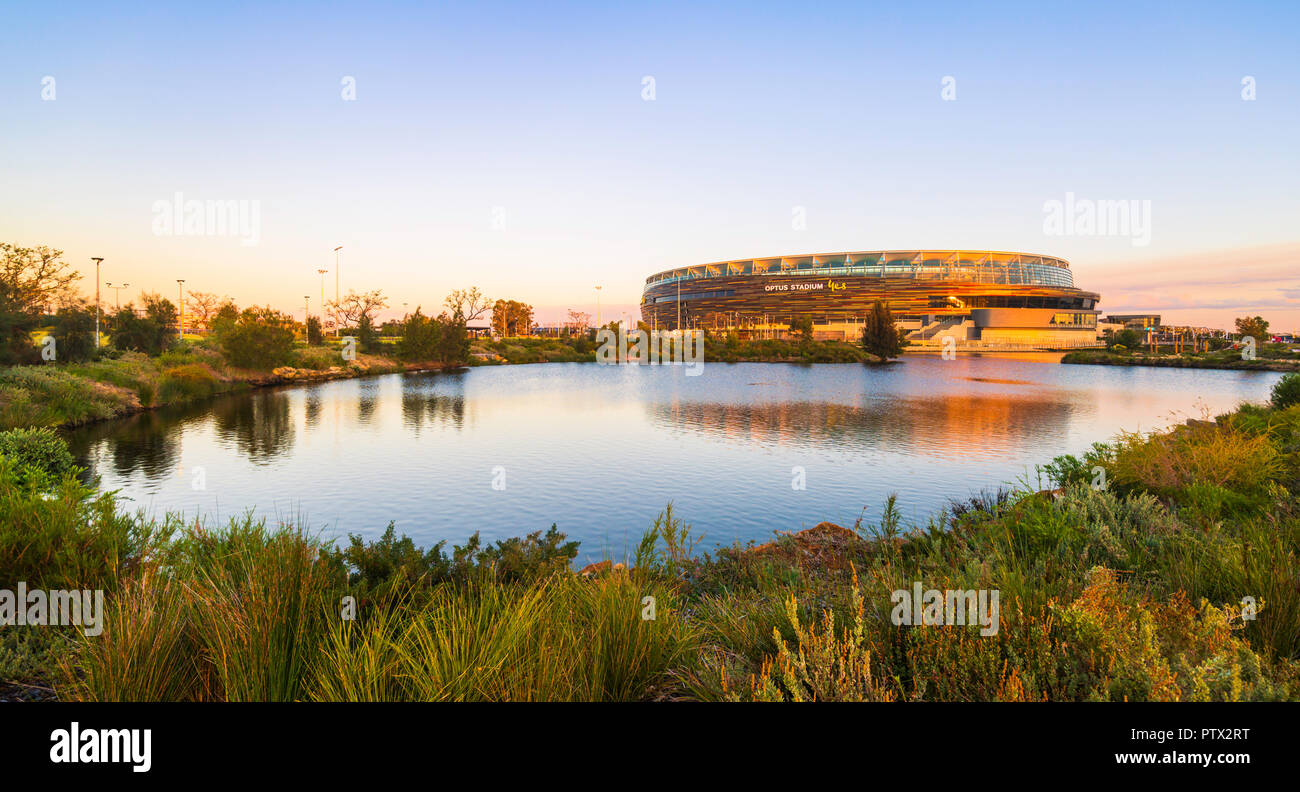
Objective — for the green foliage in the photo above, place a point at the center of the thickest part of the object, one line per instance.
(74, 334)
(314, 335)
(1253, 326)
(57, 533)
(44, 395)
(421, 337)
(368, 336)
(187, 382)
(37, 454)
(881, 336)
(1287, 391)
(803, 328)
(260, 339)
(152, 333)
(1125, 339)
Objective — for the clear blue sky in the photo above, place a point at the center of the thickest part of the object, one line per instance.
(537, 109)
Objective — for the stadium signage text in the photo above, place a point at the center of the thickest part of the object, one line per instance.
(781, 287)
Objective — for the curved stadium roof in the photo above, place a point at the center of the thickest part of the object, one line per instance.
(963, 265)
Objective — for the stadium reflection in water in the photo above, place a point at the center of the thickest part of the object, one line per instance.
(600, 450)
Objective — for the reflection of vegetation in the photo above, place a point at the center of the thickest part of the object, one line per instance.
(431, 408)
(259, 424)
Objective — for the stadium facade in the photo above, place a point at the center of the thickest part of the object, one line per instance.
(977, 297)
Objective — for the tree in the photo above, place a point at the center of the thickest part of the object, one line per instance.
(36, 278)
(314, 335)
(579, 322)
(367, 335)
(804, 327)
(152, 332)
(453, 347)
(261, 338)
(31, 280)
(420, 337)
(204, 305)
(74, 333)
(1253, 326)
(1127, 338)
(469, 303)
(350, 310)
(511, 318)
(881, 336)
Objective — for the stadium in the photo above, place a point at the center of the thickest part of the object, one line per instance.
(979, 298)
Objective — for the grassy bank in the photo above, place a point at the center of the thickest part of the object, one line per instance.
(716, 349)
(1125, 582)
(1268, 359)
(69, 394)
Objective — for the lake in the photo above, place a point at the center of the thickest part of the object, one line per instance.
(599, 450)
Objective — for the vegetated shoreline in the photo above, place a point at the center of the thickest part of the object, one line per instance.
(1173, 580)
(103, 394)
(1104, 358)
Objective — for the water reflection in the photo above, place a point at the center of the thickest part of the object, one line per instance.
(944, 424)
(426, 400)
(600, 449)
(258, 424)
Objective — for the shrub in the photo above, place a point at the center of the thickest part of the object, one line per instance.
(66, 538)
(260, 339)
(880, 335)
(74, 334)
(1287, 391)
(186, 383)
(38, 451)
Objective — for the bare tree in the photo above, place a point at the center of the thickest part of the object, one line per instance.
(36, 278)
(579, 321)
(350, 310)
(470, 302)
(204, 305)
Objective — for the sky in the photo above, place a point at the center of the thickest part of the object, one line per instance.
(540, 150)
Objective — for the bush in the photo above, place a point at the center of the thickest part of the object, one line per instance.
(38, 451)
(1287, 391)
(186, 383)
(74, 334)
(880, 335)
(153, 333)
(260, 339)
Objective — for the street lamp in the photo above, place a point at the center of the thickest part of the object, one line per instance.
(180, 295)
(117, 293)
(97, 260)
(322, 291)
(598, 306)
(306, 313)
(336, 286)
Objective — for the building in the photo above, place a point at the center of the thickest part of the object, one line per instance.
(1135, 321)
(979, 298)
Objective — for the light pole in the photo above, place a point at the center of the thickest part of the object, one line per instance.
(180, 317)
(336, 286)
(97, 260)
(322, 291)
(598, 324)
(117, 294)
(306, 313)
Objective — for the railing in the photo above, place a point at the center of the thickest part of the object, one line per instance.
(999, 273)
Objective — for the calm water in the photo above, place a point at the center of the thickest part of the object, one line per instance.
(600, 449)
